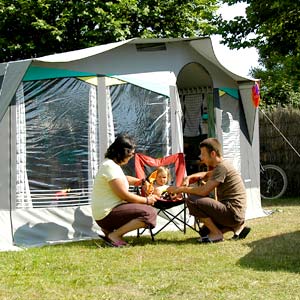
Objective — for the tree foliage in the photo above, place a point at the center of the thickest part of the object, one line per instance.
(31, 28)
(273, 27)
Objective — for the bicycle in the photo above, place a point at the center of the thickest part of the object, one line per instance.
(273, 181)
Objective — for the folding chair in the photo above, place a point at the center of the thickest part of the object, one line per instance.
(145, 165)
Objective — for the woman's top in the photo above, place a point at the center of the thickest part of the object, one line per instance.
(103, 197)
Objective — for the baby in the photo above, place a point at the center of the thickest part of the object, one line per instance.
(159, 181)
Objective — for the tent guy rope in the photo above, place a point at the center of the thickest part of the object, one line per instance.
(280, 133)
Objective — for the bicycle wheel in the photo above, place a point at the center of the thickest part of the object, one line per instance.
(273, 182)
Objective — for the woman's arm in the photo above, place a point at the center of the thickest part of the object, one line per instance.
(146, 185)
(134, 181)
(121, 191)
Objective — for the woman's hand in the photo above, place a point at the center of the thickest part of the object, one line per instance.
(147, 187)
(151, 199)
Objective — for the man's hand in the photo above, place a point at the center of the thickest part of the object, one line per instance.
(186, 181)
(173, 190)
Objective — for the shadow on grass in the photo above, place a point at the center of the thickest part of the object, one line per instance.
(281, 202)
(159, 241)
(133, 241)
(277, 253)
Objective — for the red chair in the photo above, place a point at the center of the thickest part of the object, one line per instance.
(144, 166)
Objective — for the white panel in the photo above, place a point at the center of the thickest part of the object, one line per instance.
(106, 128)
(176, 121)
(42, 226)
(23, 198)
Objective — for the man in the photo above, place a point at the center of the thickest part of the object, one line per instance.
(227, 213)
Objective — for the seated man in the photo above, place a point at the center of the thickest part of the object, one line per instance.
(226, 214)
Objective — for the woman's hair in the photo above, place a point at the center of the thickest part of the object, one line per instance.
(212, 144)
(121, 148)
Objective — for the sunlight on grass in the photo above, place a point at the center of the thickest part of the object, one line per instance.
(266, 265)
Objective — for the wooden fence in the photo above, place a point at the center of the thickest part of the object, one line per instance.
(277, 141)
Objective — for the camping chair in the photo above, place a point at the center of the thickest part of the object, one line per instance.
(145, 165)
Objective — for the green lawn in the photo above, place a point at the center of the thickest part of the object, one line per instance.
(266, 265)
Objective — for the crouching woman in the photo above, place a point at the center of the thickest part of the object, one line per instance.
(116, 210)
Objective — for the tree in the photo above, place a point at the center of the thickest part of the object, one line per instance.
(273, 27)
(31, 28)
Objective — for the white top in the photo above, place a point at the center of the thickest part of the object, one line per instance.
(103, 197)
(159, 189)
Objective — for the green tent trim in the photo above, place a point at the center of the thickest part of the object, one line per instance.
(39, 73)
(232, 92)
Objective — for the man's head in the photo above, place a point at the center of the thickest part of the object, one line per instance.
(211, 151)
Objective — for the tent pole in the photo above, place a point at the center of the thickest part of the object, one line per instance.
(102, 116)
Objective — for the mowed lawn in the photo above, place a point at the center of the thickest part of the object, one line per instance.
(266, 265)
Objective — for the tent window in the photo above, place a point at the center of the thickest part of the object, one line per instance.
(150, 47)
(146, 116)
(56, 147)
(1, 80)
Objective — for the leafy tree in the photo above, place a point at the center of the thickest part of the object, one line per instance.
(31, 28)
(273, 27)
(279, 83)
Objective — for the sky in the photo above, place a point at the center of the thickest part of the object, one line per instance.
(237, 61)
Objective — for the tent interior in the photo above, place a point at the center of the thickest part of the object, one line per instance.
(195, 88)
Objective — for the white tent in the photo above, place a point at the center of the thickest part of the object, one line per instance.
(59, 113)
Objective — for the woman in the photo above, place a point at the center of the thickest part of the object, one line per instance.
(114, 208)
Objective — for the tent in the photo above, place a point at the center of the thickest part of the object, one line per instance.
(59, 113)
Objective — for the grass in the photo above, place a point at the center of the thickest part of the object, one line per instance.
(266, 265)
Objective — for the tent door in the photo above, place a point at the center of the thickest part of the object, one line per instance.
(194, 125)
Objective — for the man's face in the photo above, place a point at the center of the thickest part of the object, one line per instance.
(205, 156)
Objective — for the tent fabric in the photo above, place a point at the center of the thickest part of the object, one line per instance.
(230, 120)
(39, 73)
(176, 122)
(154, 81)
(202, 45)
(232, 92)
(205, 48)
(12, 76)
(249, 109)
(23, 197)
(158, 82)
(82, 53)
(46, 226)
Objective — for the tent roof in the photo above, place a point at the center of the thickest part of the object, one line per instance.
(110, 62)
(202, 45)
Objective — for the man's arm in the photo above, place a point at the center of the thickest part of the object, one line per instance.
(196, 177)
(202, 190)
